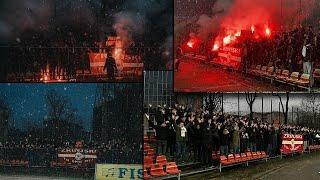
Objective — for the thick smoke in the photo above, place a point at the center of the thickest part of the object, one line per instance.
(126, 25)
(17, 16)
(140, 16)
(242, 14)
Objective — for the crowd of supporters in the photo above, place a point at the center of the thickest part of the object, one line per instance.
(41, 151)
(189, 135)
(297, 50)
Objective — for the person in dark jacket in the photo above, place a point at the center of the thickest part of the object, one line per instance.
(110, 66)
(196, 135)
(224, 141)
(208, 142)
(181, 140)
(162, 128)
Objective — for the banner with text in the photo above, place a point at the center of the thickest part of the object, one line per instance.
(229, 57)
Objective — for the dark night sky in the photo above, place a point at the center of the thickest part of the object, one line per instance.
(27, 101)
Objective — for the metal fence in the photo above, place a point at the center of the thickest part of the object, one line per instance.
(158, 88)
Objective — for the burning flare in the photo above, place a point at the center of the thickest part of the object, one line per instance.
(268, 31)
(215, 47)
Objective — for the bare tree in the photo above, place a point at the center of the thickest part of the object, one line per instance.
(310, 108)
(213, 102)
(250, 98)
(286, 108)
(57, 104)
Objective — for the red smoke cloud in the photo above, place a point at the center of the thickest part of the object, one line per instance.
(262, 17)
(242, 14)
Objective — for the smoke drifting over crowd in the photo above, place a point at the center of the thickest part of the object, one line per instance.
(17, 16)
(244, 14)
(126, 24)
(129, 18)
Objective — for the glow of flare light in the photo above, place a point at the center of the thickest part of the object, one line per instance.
(268, 32)
(190, 44)
(252, 28)
(215, 47)
(227, 40)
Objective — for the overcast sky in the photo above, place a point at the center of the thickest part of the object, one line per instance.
(231, 102)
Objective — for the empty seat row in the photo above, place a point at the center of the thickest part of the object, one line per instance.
(160, 168)
(284, 75)
(233, 159)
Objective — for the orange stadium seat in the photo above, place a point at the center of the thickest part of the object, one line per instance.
(244, 157)
(294, 77)
(172, 168)
(231, 158)
(277, 72)
(161, 160)
(255, 155)
(146, 147)
(147, 161)
(224, 160)
(237, 158)
(259, 154)
(249, 155)
(264, 154)
(157, 170)
(270, 71)
(145, 174)
(284, 75)
(316, 73)
(150, 152)
(304, 80)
